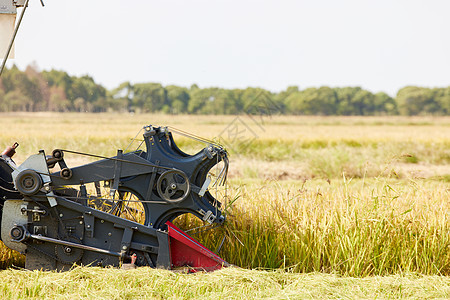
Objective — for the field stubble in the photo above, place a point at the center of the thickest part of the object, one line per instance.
(230, 283)
(351, 196)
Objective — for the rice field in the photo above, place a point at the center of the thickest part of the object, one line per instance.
(348, 196)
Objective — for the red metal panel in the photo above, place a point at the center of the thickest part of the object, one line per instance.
(187, 252)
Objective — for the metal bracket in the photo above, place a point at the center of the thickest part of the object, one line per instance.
(209, 217)
(51, 200)
(126, 238)
(152, 182)
(164, 260)
(89, 220)
(204, 186)
(144, 247)
(117, 171)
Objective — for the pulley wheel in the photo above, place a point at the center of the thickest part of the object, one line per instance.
(58, 154)
(173, 186)
(28, 182)
(66, 173)
(68, 254)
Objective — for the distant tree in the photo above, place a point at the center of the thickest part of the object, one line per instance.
(149, 97)
(10, 79)
(356, 101)
(16, 80)
(223, 101)
(384, 104)
(3, 106)
(364, 103)
(16, 101)
(79, 104)
(86, 88)
(99, 105)
(294, 103)
(60, 79)
(260, 101)
(177, 99)
(412, 100)
(40, 90)
(121, 98)
(443, 101)
(118, 104)
(54, 90)
(281, 97)
(313, 101)
(345, 101)
(200, 98)
(58, 101)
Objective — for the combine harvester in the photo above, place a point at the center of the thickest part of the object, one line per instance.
(56, 221)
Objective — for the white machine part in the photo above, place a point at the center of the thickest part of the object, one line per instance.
(13, 216)
(8, 12)
(7, 21)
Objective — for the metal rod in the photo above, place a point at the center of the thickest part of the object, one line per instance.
(13, 37)
(118, 159)
(101, 199)
(220, 246)
(132, 140)
(193, 136)
(70, 244)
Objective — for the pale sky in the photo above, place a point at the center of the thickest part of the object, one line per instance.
(379, 45)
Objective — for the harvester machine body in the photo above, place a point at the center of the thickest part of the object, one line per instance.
(56, 221)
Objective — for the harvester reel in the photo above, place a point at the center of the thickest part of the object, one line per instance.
(28, 182)
(173, 186)
(57, 220)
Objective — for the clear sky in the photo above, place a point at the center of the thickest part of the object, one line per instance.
(379, 45)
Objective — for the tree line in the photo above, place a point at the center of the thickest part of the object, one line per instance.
(32, 90)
